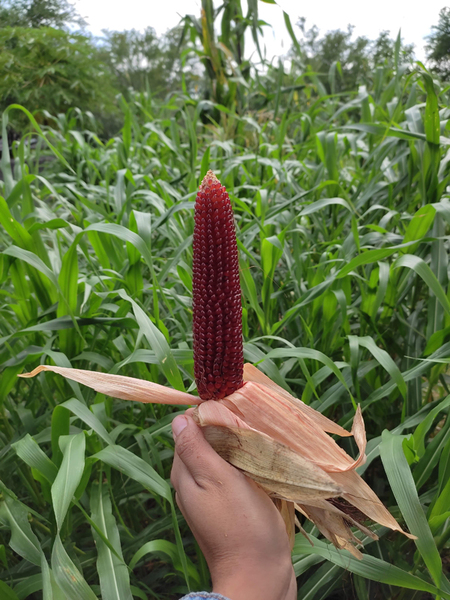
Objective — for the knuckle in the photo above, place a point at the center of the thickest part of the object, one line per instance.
(207, 480)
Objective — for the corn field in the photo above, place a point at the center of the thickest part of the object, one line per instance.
(342, 210)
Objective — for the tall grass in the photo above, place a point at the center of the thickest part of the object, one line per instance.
(342, 212)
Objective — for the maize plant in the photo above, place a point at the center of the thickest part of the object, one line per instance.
(277, 440)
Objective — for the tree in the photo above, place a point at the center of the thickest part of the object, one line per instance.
(357, 57)
(141, 60)
(52, 69)
(38, 13)
(438, 47)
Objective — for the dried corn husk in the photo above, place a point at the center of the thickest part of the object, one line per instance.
(279, 442)
(117, 386)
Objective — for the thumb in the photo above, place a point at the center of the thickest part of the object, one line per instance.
(194, 451)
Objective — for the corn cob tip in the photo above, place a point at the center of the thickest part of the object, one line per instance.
(208, 180)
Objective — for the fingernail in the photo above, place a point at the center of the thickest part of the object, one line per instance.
(178, 424)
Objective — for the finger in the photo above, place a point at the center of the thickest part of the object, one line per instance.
(179, 502)
(179, 470)
(182, 480)
(186, 514)
(180, 505)
(175, 474)
(201, 461)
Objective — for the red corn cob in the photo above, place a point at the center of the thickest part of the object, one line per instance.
(217, 326)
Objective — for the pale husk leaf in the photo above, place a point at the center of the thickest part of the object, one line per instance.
(287, 512)
(264, 409)
(324, 505)
(273, 465)
(251, 373)
(215, 413)
(117, 386)
(334, 528)
(360, 495)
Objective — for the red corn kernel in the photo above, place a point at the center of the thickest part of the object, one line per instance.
(217, 326)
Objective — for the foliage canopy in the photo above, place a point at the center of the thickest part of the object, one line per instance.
(439, 45)
(38, 13)
(52, 69)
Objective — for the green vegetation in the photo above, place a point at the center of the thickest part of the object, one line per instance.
(439, 45)
(343, 212)
(35, 14)
(51, 68)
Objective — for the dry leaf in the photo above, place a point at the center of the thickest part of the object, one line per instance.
(125, 388)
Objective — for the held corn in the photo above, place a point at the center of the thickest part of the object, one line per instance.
(217, 323)
(277, 440)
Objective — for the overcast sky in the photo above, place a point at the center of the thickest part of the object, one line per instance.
(369, 18)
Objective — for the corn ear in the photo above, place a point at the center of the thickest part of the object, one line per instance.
(216, 294)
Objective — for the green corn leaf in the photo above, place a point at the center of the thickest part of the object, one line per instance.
(168, 549)
(23, 541)
(50, 589)
(67, 576)
(370, 256)
(68, 281)
(6, 592)
(83, 413)
(6, 157)
(126, 235)
(321, 583)
(423, 270)
(33, 121)
(309, 353)
(30, 452)
(113, 573)
(431, 456)
(33, 260)
(60, 426)
(28, 586)
(384, 359)
(423, 428)
(158, 343)
(369, 567)
(316, 206)
(292, 35)
(432, 125)
(403, 486)
(69, 474)
(134, 467)
(419, 226)
(15, 230)
(440, 512)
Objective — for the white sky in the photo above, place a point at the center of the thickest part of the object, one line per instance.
(415, 19)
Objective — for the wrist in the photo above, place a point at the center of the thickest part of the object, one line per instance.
(256, 581)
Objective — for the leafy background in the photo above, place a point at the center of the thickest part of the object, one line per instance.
(338, 174)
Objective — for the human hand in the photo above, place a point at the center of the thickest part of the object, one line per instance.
(237, 526)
